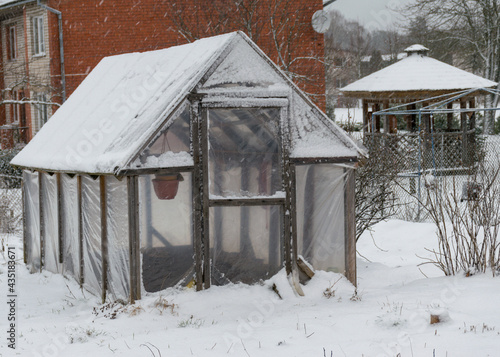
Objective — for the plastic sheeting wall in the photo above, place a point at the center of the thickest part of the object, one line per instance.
(50, 223)
(91, 221)
(320, 216)
(166, 235)
(118, 238)
(69, 218)
(32, 220)
(245, 243)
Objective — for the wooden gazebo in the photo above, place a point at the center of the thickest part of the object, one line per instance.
(412, 79)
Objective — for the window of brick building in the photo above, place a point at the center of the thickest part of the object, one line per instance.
(11, 42)
(15, 108)
(38, 36)
(41, 109)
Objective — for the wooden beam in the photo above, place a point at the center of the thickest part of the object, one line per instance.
(42, 226)
(323, 160)
(59, 218)
(134, 238)
(197, 193)
(385, 105)
(80, 229)
(205, 198)
(365, 116)
(25, 228)
(159, 171)
(350, 226)
(449, 117)
(293, 213)
(104, 236)
(463, 128)
(245, 202)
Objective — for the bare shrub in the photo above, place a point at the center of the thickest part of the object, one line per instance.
(375, 197)
(467, 219)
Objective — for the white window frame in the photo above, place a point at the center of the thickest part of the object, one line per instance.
(38, 36)
(41, 110)
(12, 33)
(14, 117)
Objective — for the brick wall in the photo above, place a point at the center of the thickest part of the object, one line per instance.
(94, 29)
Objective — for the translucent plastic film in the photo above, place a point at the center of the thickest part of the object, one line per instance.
(50, 223)
(32, 212)
(171, 146)
(244, 153)
(69, 218)
(320, 216)
(118, 238)
(245, 243)
(91, 222)
(166, 233)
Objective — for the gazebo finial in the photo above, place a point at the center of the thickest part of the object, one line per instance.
(417, 49)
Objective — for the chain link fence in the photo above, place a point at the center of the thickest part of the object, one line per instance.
(11, 204)
(420, 162)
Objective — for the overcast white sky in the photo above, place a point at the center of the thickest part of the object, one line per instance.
(373, 14)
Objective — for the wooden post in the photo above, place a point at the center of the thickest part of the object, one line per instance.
(309, 193)
(23, 197)
(449, 117)
(80, 228)
(350, 225)
(197, 192)
(387, 129)
(472, 136)
(59, 218)
(104, 236)
(245, 244)
(293, 213)
(463, 128)
(205, 198)
(366, 118)
(393, 124)
(134, 238)
(376, 108)
(412, 125)
(42, 226)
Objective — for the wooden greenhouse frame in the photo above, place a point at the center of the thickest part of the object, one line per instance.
(199, 101)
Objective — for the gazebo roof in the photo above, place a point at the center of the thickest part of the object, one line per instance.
(127, 99)
(416, 75)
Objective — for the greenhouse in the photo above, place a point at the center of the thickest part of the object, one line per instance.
(196, 165)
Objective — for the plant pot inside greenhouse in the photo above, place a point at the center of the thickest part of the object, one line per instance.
(166, 186)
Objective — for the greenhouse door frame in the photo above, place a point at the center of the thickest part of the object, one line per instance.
(200, 107)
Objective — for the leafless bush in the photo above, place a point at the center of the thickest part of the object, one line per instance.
(375, 198)
(467, 219)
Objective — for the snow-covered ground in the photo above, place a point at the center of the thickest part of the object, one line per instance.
(389, 315)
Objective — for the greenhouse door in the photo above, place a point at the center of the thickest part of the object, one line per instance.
(246, 198)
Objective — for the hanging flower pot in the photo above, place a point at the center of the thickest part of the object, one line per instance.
(166, 186)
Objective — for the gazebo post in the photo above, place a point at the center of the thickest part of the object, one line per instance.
(385, 106)
(365, 116)
(449, 117)
(472, 125)
(463, 128)
(376, 108)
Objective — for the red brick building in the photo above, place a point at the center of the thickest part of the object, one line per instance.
(36, 34)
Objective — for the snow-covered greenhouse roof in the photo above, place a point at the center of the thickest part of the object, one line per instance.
(416, 73)
(124, 102)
